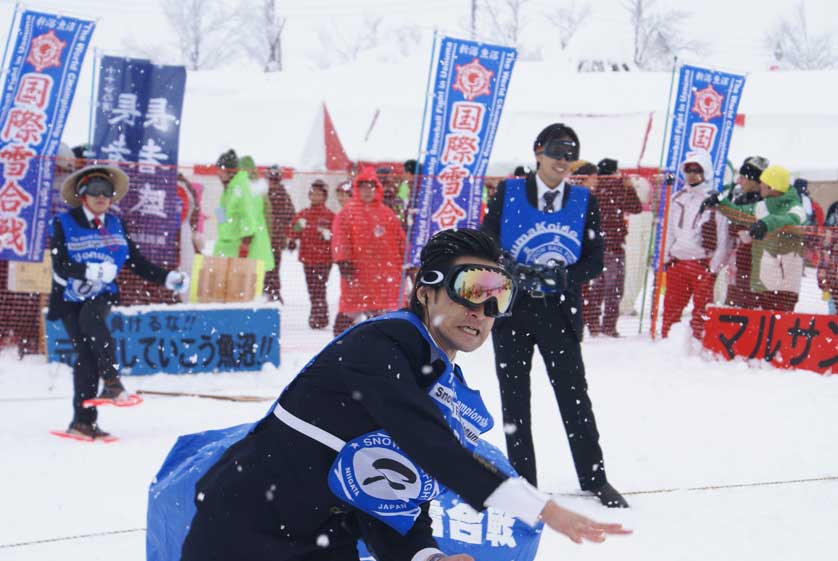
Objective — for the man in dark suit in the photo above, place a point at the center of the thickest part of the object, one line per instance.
(550, 233)
(89, 247)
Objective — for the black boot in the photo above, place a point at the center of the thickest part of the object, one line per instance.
(609, 496)
(90, 431)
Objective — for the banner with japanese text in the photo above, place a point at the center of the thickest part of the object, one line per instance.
(784, 339)
(490, 535)
(469, 89)
(138, 112)
(179, 339)
(37, 94)
(704, 115)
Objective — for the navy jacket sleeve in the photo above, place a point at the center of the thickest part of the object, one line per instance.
(389, 388)
(141, 266)
(492, 221)
(590, 263)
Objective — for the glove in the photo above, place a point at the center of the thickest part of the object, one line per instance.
(177, 282)
(102, 272)
(347, 269)
(292, 244)
(758, 230)
(709, 202)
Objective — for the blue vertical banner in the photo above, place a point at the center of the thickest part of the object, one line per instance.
(704, 117)
(470, 85)
(37, 95)
(137, 126)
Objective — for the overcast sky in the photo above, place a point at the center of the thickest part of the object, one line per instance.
(734, 29)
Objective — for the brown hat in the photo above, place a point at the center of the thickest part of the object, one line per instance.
(116, 176)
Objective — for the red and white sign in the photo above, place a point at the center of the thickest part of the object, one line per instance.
(473, 80)
(785, 339)
(708, 103)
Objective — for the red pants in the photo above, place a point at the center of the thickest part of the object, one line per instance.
(685, 279)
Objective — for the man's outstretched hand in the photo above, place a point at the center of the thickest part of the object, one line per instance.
(578, 527)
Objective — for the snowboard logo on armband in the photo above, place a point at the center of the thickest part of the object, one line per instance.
(373, 473)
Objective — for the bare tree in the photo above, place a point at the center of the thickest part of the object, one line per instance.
(792, 44)
(263, 40)
(506, 19)
(339, 46)
(659, 35)
(204, 31)
(568, 19)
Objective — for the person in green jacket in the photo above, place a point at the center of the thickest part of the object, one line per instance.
(235, 214)
(776, 254)
(260, 246)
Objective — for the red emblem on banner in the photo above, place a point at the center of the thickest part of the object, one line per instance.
(708, 103)
(473, 80)
(46, 51)
(702, 136)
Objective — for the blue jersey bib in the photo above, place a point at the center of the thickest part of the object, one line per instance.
(535, 237)
(92, 246)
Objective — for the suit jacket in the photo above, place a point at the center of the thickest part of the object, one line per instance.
(589, 265)
(66, 268)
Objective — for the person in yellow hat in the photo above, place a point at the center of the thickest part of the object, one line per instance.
(777, 256)
(89, 249)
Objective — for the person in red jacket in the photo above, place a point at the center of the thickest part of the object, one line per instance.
(312, 228)
(368, 247)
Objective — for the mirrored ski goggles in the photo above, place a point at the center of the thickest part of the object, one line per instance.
(473, 285)
(562, 150)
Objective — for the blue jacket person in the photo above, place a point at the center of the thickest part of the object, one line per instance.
(89, 248)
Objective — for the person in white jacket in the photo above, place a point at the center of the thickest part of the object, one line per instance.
(697, 245)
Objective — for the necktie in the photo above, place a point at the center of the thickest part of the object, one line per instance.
(549, 199)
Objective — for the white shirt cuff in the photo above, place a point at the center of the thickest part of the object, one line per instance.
(518, 498)
(423, 554)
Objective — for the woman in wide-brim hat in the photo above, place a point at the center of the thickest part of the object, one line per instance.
(89, 248)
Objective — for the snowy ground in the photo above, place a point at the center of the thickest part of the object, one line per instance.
(672, 425)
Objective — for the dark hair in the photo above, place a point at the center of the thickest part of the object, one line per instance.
(556, 131)
(586, 169)
(520, 171)
(446, 246)
(411, 167)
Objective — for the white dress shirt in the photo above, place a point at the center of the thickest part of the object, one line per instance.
(543, 188)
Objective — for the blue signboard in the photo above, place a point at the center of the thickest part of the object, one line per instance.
(180, 340)
(470, 87)
(37, 94)
(138, 116)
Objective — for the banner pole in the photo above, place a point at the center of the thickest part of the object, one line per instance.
(92, 98)
(9, 38)
(649, 254)
(411, 218)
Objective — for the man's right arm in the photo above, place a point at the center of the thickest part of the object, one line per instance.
(63, 266)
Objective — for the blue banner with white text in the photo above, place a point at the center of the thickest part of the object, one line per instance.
(703, 119)
(37, 94)
(470, 87)
(138, 116)
(180, 339)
